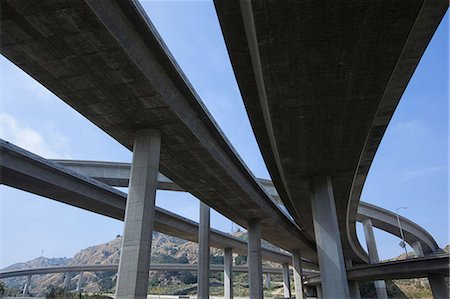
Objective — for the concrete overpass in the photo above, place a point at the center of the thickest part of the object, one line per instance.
(28, 172)
(402, 269)
(114, 267)
(123, 88)
(320, 84)
(106, 60)
(117, 174)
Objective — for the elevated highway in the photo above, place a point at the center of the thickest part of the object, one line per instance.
(117, 174)
(114, 267)
(402, 269)
(320, 84)
(26, 171)
(81, 51)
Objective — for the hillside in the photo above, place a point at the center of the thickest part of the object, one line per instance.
(167, 249)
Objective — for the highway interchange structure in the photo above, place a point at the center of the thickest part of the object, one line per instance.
(106, 60)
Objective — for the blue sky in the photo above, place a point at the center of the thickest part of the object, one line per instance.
(410, 169)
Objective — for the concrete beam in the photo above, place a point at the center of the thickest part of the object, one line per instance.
(132, 281)
(26, 287)
(286, 281)
(328, 240)
(80, 281)
(114, 268)
(268, 281)
(66, 285)
(254, 260)
(298, 275)
(32, 173)
(380, 285)
(203, 252)
(439, 286)
(353, 285)
(228, 273)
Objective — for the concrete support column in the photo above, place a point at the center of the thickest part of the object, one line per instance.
(228, 273)
(80, 281)
(298, 278)
(418, 250)
(439, 287)
(26, 287)
(268, 281)
(66, 285)
(286, 281)
(380, 285)
(255, 260)
(353, 285)
(139, 217)
(328, 240)
(319, 292)
(203, 252)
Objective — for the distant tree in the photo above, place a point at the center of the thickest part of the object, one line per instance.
(240, 260)
(2, 288)
(154, 282)
(188, 278)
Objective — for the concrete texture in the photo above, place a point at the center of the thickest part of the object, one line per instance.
(254, 260)
(380, 285)
(298, 274)
(132, 279)
(328, 241)
(116, 174)
(203, 252)
(353, 285)
(228, 273)
(66, 285)
(320, 84)
(80, 281)
(114, 267)
(286, 281)
(26, 287)
(403, 269)
(80, 51)
(439, 286)
(29, 172)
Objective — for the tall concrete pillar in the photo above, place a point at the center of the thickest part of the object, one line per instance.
(328, 240)
(203, 252)
(298, 278)
(80, 281)
(380, 285)
(353, 285)
(418, 250)
(66, 285)
(286, 281)
(439, 287)
(26, 287)
(268, 281)
(255, 260)
(228, 273)
(319, 292)
(139, 217)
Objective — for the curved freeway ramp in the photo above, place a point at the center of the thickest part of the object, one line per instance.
(320, 83)
(83, 54)
(117, 174)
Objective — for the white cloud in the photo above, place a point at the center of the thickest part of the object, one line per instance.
(11, 130)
